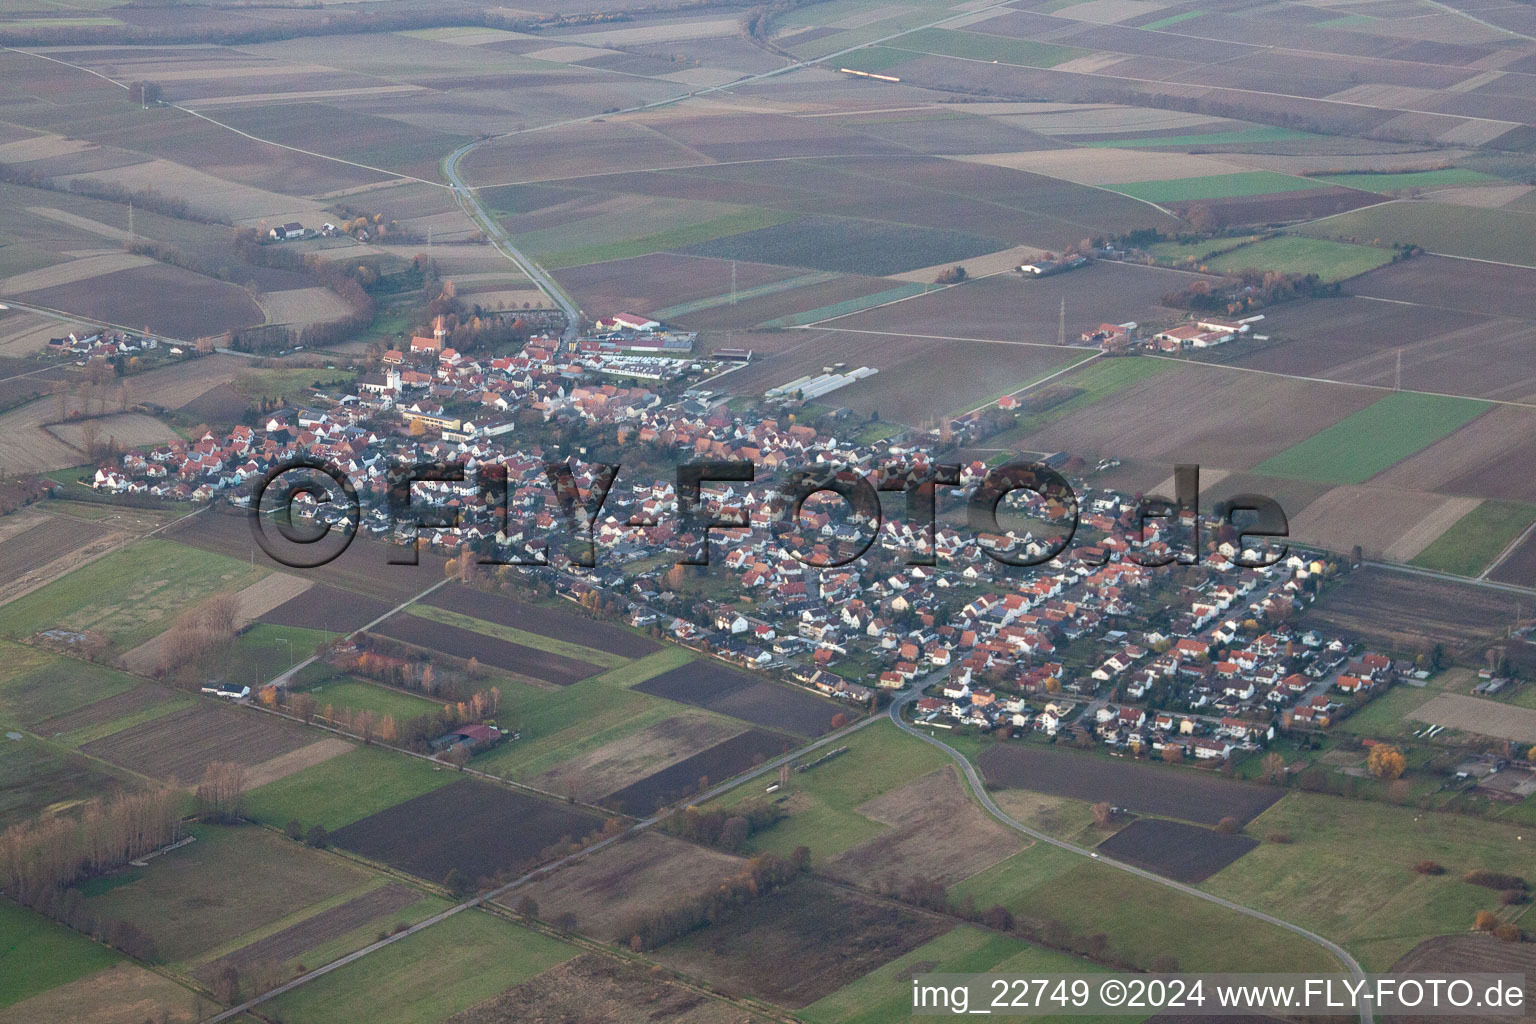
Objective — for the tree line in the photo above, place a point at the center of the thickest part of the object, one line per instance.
(647, 929)
(41, 861)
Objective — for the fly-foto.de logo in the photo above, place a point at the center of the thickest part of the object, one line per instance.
(314, 510)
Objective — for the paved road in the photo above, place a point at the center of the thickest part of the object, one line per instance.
(493, 894)
(470, 203)
(985, 798)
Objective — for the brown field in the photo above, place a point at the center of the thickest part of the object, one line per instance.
(165, 299)
(571, 626)
(577, 151)
(301, 306)
(1185, 853)
(122, 994)
(1480, 459)
(284, 765)
(1387, 522)
(24, 334)
(1478, 717)
(173, 386)
(1520, 566)
(1489, 289)
(29, 447)
(180, 745)
(252, 603)
(614, 766)
(295, 940)
(490, 651)
(681, 779)
(1412, 613)
(1011, 308)
(1203, 414)
(647, 283)
(728, 691)
(595, 989)
(1108, 166)
(43, 540)
(130, 429)
(1183, 793)
(363, 568)
(905, 390)
(1463, 954)
(322, 607)
(109, 709)
(750, 312)
(640, 874)
(937, 832)
(477, 829)
(803, 942)
(1357, 340)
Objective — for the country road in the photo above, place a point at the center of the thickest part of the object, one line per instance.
(497, 235)
(1367, 1016)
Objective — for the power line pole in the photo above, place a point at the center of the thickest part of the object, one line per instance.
(733, 282)
(1061, 328)
(1397, 384)
(130, 221)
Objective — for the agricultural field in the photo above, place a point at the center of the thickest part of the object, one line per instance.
(388, 903)
(1185, 853)
(1184, 793)
(1407, 181)
(935, 831)
(179, 746)
(435, 973)
(344, 789)
(1216, 186)
(604, 990)
(351, 694)
(1142, 920)
(1410, 614)
(775, 947)
(490, 651)
(129, 595)
(1373, 439)
(474, 828)
(823, 803)
(228, 883)
(883, 994)
(1381, 907)
(683, 778)
(1501, 236)
(1476, 539)
(560, 624)
(122, 994)
(326, 608)
(38, 777)
(727, 691)
(37, 687)
(1475, 716)
(1289, 254)
(602, 890)
(52, 955)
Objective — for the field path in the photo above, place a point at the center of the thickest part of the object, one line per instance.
(1367, 1015)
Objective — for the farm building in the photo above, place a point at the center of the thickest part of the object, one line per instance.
(1047, 267)
(627, 322)
(467, 736)
(285, 231)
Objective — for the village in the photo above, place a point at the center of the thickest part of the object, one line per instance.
(1201, 662)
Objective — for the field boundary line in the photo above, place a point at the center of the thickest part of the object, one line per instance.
(493, 894)
(1509, 549)
(1032, 384)
(232, 128)
(943, 337)
(1341, 383)
(979, 792)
